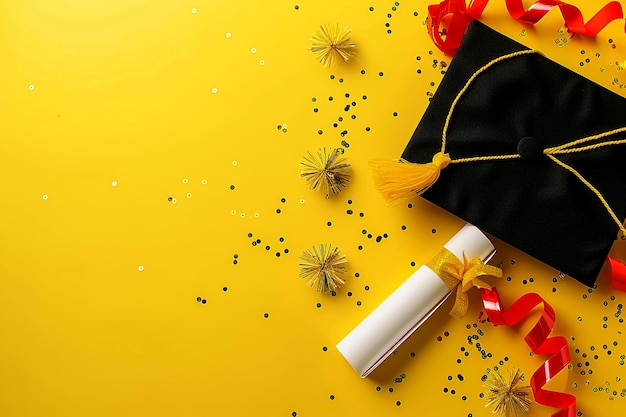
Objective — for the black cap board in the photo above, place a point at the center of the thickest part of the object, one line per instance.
(527, 150)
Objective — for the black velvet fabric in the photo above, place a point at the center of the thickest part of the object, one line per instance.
(524, 105)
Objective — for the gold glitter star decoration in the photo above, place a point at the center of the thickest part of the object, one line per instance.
(323, 266)
(332, 42)
(327, 172)
(509, 397)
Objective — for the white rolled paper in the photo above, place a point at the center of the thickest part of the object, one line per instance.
(396, 318)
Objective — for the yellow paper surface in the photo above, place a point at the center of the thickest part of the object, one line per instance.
(145, 146)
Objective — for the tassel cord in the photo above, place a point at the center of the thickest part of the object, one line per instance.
(406, 178)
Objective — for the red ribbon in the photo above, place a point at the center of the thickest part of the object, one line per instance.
(450, 18)
(539, 342)
(618, 274)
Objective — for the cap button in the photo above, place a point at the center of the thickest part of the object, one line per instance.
(529, 148)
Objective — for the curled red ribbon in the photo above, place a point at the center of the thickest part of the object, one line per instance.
(450, 18)
(618, 274)
(539, 342)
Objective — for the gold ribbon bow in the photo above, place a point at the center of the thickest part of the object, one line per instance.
(462, 276)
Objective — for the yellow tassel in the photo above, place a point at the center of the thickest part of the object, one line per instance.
(398, 180)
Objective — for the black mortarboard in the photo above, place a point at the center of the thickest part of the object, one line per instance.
(560, 200)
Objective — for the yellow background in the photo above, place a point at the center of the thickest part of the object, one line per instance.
(144, 147)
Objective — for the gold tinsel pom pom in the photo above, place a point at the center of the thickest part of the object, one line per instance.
(332, 42)
(508, 397)
(322, 265)
(326, 172)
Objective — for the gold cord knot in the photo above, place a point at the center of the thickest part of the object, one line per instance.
(441, 160)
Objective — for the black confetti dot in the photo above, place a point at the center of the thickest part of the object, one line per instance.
(266, 315)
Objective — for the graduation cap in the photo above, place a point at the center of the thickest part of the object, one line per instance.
(523, 148)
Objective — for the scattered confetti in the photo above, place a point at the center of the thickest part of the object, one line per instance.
(508, 397)
(332, 42)
(327, 173)
(322, 266)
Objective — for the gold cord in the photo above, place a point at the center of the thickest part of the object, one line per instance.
(567, 148)
(468, 84)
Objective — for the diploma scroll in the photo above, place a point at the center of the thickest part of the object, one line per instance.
(396, 318)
